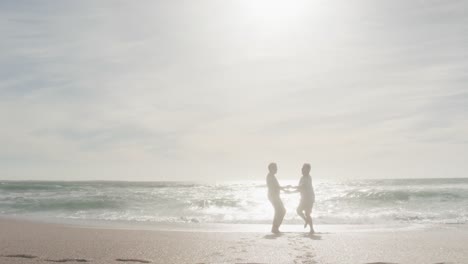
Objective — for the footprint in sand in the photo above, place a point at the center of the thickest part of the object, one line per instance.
(67, 260)
(133, 260)
(250, 263)
(26, 256)
(217, 254)
(304, 260)
(382, 263)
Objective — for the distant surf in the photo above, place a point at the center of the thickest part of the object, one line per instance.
(412, 201)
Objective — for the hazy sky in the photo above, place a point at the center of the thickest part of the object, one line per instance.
(214, 90)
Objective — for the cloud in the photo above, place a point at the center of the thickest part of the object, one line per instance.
(154, 90)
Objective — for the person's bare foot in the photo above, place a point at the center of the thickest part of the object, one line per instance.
(275, 231)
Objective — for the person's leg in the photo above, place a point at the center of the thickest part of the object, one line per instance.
(278, 217)
(308, 213)
(300, 212)
(281, 213)
(273, 226)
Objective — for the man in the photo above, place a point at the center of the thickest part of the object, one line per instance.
(274, 196)
(307, 197)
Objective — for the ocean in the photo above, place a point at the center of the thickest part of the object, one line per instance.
(356, 202)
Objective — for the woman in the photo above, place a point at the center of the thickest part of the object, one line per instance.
(307, 197)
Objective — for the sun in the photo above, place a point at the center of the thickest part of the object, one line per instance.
(282, 8)
(282, 14)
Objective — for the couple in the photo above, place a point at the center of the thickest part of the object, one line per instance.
(307, 197)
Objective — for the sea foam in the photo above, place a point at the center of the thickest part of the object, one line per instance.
(439, 201)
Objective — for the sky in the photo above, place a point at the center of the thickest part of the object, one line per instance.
(214, 90)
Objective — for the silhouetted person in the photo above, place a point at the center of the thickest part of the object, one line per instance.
(307, 197)
(274, 197)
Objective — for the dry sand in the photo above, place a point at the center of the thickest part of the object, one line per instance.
(33, 242)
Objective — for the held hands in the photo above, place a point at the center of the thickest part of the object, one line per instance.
(289, 189)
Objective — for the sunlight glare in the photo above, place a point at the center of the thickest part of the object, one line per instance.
(281, 15)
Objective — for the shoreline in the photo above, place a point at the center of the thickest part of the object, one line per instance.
(226, 227)
(28, 241)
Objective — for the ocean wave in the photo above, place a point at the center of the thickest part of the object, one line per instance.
(61, 205)
(349, 202)
(33, 185)
(220, 203)
(25, 186)
(402, 195)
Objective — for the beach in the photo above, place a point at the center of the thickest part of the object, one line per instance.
(23, 241)
(237, 132)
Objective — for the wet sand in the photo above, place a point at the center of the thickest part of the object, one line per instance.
(34, 242)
